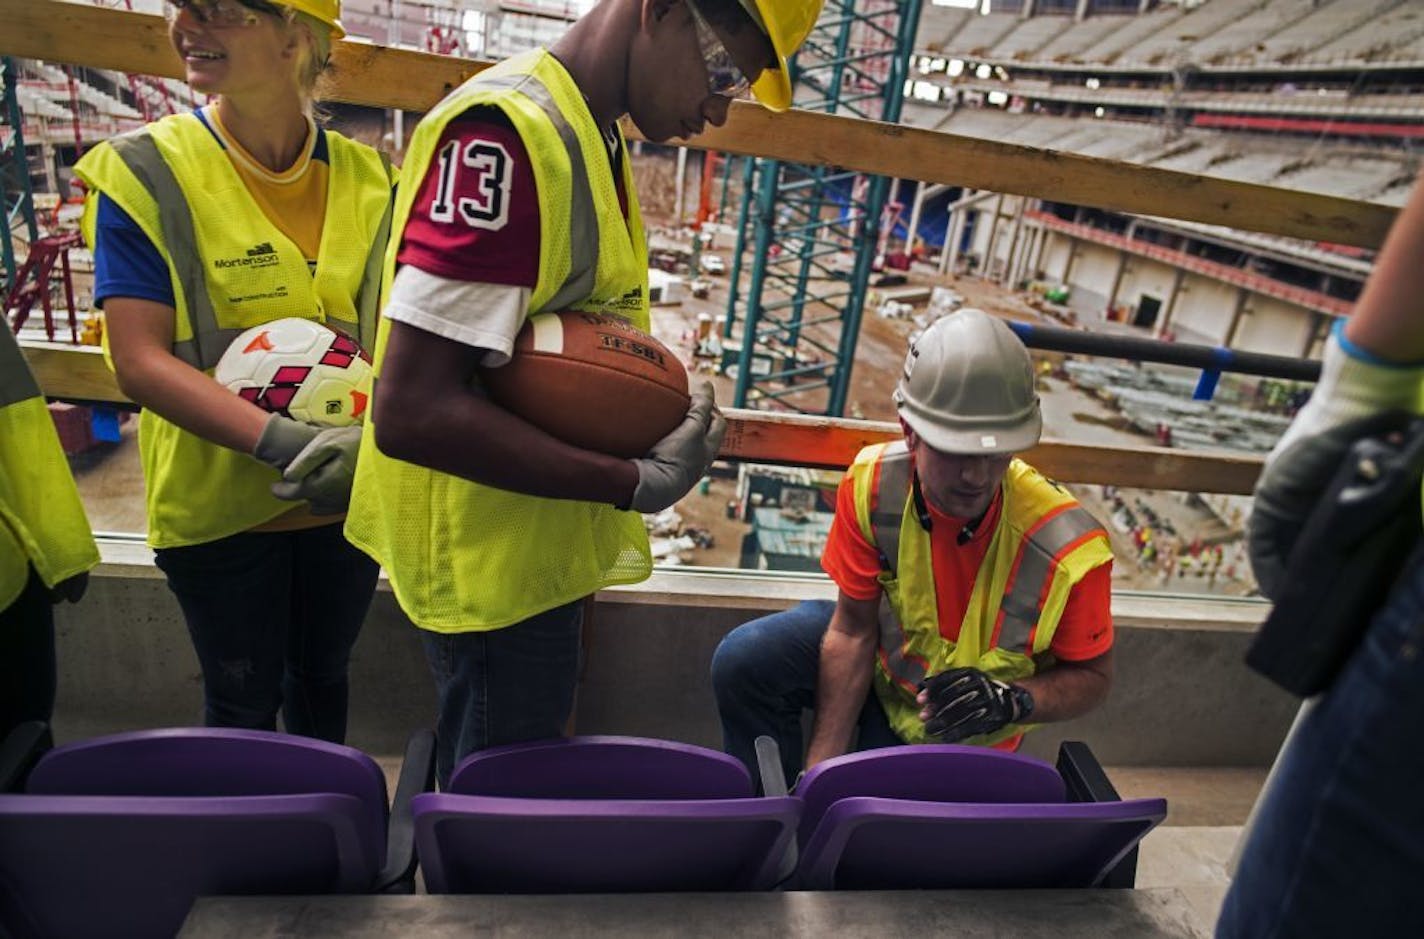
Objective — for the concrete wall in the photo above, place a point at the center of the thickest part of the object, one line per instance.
(1145, 276)
(1273, 326)
(1204, 309)
(1054, 260)
(1182, 695)
(1094, 271)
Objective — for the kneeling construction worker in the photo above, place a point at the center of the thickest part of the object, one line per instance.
(973, 592)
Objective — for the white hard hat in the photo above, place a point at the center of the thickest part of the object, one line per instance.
(968, 387)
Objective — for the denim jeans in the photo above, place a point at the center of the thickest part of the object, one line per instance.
(1338, 846)
(27, 666)
(273, 617)
(764, 674)
(505, 685)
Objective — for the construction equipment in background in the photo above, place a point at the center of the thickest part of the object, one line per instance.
(792, 325)
(34, 283)
(19, 207)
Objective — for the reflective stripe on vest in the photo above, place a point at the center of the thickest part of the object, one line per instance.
(140, 154)
(368, 299)
(1040, 549)
(583, 218)
(1021, 605)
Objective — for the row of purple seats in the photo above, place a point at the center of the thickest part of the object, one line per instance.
(117, 835)
(606, 814)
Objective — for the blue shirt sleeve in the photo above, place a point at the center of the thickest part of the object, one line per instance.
(126, 263)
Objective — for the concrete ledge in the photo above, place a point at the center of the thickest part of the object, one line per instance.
(1030, 914)
(1183, 695)
(732, 589)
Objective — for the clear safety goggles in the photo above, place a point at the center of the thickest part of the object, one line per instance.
(724, 77)
(222, 14)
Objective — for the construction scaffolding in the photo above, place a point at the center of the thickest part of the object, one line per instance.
(19, 203)
(810, 234)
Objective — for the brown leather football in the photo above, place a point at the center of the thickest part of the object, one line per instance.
(593, 381)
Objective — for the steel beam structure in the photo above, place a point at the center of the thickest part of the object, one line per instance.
(808, 235)
(19, 204)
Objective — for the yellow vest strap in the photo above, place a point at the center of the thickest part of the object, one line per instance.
(368, 300)
(889, 512)
(583, 217)
(141, 155)
(1039, 554)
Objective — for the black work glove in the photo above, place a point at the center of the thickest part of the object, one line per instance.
(965, 702)
(70, 590)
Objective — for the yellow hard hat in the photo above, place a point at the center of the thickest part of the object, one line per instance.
(786, 23)
(328, 11)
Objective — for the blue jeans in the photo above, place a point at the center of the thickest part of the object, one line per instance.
(764, 674)
(273, 617)
(1338, 847)
(503, 686)
(27, 665)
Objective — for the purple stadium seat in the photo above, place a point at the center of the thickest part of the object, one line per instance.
(602, 768)
(954, 817)
(211, 761)
(118, 835)
(490, 844)
(927, 772)
(601, 814)
(898, 844)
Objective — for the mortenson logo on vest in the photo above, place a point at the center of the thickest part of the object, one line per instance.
(263, 255)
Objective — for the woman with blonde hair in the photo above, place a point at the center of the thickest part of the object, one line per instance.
(203, 225)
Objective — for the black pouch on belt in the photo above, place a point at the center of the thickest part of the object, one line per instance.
(1349, 554)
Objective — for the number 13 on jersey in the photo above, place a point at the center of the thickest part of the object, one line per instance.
(474, 184)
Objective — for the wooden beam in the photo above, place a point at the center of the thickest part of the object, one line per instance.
(79, 374)
(934, 156)
(361, 73)
(72, 373)
(392, 78)
(831, 443)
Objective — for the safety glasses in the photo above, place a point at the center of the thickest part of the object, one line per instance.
(723, 75)
(222, 14)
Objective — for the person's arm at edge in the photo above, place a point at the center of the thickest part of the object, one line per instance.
(1386, 320)
(847, 664)
(1078, 674)
(140, 343)
(426, 413)
(1065, 690)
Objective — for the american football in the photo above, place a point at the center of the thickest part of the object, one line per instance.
(593, 381)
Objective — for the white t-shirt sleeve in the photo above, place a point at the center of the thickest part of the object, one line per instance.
(485, 316)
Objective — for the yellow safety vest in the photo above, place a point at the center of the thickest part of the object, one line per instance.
(231, 269)
(42, 521)
(1043, 544)
(462, 556)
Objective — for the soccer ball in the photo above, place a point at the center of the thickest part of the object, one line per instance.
(300, 369)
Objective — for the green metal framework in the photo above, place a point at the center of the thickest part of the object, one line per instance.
(809, 234)
(19, 203)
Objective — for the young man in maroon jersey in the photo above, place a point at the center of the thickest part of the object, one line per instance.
(519, 199)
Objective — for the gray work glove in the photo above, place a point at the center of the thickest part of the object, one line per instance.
(1355, 398)
(675, 463)
(282, 439)
(323, 472)
(965, 702)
